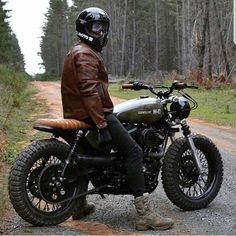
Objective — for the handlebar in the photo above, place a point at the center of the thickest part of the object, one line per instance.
(176, 85)
(127, 86)
(136, 86)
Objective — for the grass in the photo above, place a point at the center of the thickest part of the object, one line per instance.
(19, 127)
(216, 106)
(16, 112)
(16, 109)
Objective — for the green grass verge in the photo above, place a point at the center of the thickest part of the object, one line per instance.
(19, 128)
(215, 106)
(16, 112)
(17, 109)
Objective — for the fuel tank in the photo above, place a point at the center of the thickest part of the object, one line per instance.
(142, 110)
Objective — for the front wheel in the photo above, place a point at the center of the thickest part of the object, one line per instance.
(184, 186)
(36, 186)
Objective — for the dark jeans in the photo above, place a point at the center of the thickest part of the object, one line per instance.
(132, 152)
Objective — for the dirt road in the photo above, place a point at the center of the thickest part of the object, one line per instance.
(115, 214)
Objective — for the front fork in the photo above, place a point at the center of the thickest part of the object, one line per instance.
(189, 137)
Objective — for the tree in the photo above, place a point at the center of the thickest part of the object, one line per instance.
(17, 58)
(151, 36)
(10, 52)
(55, 41)
(5, 32)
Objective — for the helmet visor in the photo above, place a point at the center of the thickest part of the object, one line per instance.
(98, 27)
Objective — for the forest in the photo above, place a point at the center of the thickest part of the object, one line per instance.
(147, 40)
(150, 39)
(10, 52)
(15, 95)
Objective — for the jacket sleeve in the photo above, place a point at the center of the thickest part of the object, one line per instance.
(86, 66)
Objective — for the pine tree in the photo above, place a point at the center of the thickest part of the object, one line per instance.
(54, 42)
(5, 35)
(150, 37)
(17, 58)
(10, 52)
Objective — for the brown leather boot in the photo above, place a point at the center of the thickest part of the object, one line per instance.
(147, 218)
(83, 209)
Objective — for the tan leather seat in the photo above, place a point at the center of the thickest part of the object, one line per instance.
(63, 123)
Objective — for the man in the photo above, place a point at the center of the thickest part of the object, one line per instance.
(85, 97)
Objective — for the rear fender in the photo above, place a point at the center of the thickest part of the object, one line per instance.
(67, 135)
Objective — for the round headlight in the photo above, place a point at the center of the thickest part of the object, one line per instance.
(180, 108)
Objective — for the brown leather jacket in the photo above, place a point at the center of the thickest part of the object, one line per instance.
(84, 86)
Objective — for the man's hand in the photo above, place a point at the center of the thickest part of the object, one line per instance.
(104, 136)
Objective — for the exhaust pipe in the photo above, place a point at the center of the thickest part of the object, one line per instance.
(94, 160)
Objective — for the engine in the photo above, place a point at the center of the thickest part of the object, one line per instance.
(151, 138)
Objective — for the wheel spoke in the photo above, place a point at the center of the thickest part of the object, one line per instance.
(55, 207)
(190, 182)
(201, 189)
(188, 191)
(38, 204)
(32, 184)
(202, 179)
(46, 207)
(195, 192)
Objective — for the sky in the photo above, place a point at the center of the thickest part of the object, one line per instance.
(26, 20)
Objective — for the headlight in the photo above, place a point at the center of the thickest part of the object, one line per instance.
(180, 108)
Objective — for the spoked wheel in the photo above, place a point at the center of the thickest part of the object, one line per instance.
(191, 182)
(183, 184)
(36, 187)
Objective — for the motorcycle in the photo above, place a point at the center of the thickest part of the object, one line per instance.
(44, 185)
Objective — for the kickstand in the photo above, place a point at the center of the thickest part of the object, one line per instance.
(94, 190)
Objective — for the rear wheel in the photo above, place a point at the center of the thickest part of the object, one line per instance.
(184, 186)
(36, 187)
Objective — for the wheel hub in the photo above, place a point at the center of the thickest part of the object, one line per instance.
(189, 172)
(52, 186)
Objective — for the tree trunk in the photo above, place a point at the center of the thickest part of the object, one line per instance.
(134, 40)
(156, 38)
(202, 43)
(123, 40)
(183, 36)
(209, 49)
(222, 40)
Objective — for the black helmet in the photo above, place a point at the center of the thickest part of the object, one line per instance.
(92, 27)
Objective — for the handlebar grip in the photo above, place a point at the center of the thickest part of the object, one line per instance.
(179, 85)
(192, 87)
(127, 86)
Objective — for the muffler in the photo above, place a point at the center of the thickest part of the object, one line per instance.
(94, 160)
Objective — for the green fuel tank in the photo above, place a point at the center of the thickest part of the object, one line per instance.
(142, 110)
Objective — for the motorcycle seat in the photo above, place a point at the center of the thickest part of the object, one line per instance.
(61, 124)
